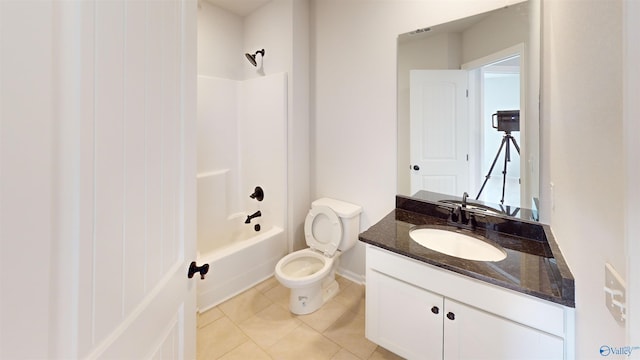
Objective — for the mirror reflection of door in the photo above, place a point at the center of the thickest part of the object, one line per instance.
(496, 84)
(439, 144)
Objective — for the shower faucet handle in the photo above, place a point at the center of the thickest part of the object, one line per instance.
(193, 268)
(258, 194)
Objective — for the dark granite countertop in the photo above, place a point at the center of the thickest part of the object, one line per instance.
(533, 266)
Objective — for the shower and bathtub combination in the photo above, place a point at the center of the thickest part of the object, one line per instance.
(242, 146)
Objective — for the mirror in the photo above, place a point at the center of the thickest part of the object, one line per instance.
(454, 79)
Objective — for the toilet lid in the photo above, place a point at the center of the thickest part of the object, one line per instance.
(323, 230)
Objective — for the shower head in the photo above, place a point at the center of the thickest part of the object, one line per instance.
(252, 58)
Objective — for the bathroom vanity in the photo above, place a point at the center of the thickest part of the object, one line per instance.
(423, 304)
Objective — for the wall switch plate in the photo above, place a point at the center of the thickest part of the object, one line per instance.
(615, 294)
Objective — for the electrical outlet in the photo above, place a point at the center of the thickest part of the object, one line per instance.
(615, 294)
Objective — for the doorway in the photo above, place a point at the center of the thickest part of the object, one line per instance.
(496, 84)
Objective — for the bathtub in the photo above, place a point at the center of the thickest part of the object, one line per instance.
(240, 265)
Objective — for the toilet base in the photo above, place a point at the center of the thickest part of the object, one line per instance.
(306, 300)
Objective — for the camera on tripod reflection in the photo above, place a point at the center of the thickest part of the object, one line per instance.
(506, 120)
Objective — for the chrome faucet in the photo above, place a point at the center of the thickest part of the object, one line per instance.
(253, 216)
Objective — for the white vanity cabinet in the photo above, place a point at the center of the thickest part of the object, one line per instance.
(421, 312)
(399, 317)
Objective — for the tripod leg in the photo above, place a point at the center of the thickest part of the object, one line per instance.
(513, 140)
(504, 170)
(486, 178)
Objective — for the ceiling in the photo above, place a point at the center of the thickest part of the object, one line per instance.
(239, 7)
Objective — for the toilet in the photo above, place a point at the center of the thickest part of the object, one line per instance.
(331, 227)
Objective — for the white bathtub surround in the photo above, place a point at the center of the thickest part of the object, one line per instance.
(242, 143)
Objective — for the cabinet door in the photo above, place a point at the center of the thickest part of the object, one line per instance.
(403, 318)
(470, 333)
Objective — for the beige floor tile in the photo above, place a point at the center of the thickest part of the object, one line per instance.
(303, 343)
(279, 294)
(267, 284)
(245, 305)
(248, 350)
(335, 331)
(269, 325)
(218, 338)
(348, 332)
(209, 316)
(344, 355)
(384, 354)
(353, 298)
(322, 318)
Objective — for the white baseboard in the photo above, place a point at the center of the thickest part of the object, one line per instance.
(352, 276)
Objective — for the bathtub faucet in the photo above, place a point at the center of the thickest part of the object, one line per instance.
(253, 216)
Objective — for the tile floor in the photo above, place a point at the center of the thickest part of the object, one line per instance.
(257, 325)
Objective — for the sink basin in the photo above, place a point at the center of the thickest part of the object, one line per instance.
(457, 244)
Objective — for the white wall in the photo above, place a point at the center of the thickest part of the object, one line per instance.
(583, 147)
(631, 81)
(220, 43)
(299, 137)
(354, 84)
(489, 36)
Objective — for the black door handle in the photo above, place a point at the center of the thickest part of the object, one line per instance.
(416, 167)
(193, 268)
(435, 310)
(451, 316)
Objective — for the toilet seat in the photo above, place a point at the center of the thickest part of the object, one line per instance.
(323, 230)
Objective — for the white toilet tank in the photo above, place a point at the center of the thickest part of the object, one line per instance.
(349, 215)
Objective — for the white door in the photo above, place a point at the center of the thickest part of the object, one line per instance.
(119, 82)
(439, 131)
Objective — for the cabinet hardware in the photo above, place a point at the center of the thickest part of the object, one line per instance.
(451, 316)
(435, 310)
